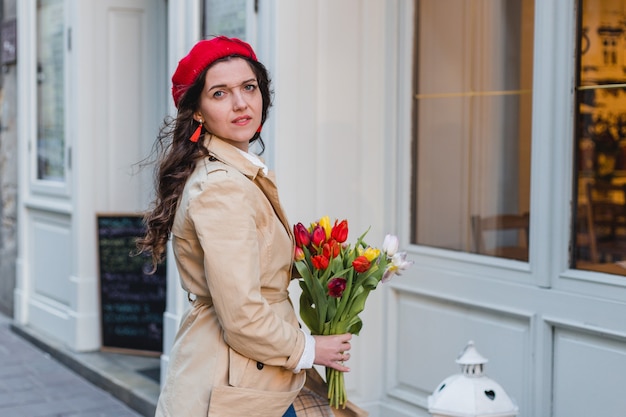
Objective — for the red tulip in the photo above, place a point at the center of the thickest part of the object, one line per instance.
(319, 262)
(318, 236)
(326, 250)
(336, 287)
(303, 238)
(340, 231)
(331, 249)
(361, 264)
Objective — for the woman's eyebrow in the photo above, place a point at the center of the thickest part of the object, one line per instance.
(226, 86)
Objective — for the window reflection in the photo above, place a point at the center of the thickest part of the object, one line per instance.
(50, 91)
(472, 114)
(600, 217)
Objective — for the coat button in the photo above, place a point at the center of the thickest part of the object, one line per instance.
(259, 366)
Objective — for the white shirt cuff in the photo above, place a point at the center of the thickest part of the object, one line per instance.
(308, 355)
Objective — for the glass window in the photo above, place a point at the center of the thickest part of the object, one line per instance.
(600, 137)
(226, 17)
(50, 90)
(472, 125)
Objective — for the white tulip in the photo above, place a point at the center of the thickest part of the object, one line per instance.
(390, 245)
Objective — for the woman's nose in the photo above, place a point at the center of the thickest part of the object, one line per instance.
(239, 101)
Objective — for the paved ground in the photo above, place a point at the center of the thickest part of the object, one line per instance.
(34, 384)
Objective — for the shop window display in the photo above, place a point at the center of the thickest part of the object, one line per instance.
(472, 114)
(600, 136)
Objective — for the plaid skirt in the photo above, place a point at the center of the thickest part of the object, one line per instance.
(310, 404)
(312, 400)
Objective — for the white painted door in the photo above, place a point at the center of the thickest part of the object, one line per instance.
(129, 97)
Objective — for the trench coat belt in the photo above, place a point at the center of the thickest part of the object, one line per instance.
(271, 297)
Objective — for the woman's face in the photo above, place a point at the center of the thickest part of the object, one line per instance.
(231, 103)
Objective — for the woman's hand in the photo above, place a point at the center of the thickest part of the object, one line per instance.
(331, 351)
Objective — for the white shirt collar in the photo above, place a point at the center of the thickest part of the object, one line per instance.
(254, 159)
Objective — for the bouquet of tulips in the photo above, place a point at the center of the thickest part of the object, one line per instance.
(336, 279)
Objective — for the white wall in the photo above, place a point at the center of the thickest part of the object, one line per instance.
(333, 140)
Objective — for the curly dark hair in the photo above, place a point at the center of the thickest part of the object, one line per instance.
(176, 157)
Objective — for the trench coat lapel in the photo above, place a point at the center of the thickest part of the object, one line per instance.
(267, 184)
(228, 154)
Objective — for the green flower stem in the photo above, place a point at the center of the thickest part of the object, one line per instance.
(337, 396)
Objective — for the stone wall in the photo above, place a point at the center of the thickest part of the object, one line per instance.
(8, 172)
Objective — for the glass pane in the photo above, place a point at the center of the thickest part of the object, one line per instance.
(225, 17)
(50, 91)
(600, 215)
(472, 115)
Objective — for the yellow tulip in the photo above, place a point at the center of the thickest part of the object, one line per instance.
(371, 253)
(325, 223)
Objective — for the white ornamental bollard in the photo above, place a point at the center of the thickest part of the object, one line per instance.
(470, 393)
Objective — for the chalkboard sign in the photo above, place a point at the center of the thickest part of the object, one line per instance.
(132, 300)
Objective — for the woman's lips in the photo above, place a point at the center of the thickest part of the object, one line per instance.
(242, 121)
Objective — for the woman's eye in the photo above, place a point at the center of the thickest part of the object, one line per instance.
(250, 87)
(218, 94)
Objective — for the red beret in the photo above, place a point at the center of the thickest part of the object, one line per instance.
(203, 54)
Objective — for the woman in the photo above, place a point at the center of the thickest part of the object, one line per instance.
(239, 350)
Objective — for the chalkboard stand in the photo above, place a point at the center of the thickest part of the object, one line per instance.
(132, 301)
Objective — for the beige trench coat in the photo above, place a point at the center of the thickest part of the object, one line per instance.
(237, 346)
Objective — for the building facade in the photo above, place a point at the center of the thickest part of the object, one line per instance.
(8, 155)
(422, 118)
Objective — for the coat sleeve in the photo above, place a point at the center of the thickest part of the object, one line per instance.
(224, 214)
